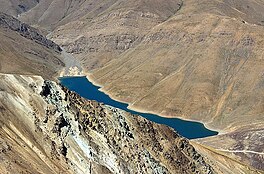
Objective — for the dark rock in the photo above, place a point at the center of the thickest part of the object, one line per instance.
(63, 150)
(27, 31)
(45, 90)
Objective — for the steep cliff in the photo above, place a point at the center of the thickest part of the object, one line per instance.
(199, 60)
(47, 129)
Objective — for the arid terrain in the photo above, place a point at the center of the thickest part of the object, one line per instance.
(47, 129)
(24, 51)
(198, 60)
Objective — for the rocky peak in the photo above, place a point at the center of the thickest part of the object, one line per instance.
(46, 128)
(122, 142)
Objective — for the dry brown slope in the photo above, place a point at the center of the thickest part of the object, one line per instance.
(205, 63)
(53, 13)
(48, 129)
(245, 144)
(114, 26)
(197, 65)
(24, 51)
(16, 7)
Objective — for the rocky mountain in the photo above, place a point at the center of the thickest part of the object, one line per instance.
(116, 25)
(23, 50)
(47, 129)
(198, 60)
(26, 31)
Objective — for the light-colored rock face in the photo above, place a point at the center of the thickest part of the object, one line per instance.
(72, 66)
(200, 60)
(47, 129)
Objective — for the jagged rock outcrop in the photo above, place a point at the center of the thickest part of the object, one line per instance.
(47, 129)
(203, 61)
(135, 141)
(26, 31)
(199, 60)
(122, 142)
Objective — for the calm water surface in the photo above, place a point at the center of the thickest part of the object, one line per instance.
(86, 89)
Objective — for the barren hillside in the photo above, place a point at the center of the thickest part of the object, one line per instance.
(199, 60)
(23, 50)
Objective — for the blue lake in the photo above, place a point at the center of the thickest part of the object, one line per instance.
(86, 89)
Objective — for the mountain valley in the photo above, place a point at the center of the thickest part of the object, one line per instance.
(195, 60)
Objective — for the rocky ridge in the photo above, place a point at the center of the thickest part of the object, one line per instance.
(204, 62)
(218, 40)
(23, 50)
(26, 31)
(64, 133)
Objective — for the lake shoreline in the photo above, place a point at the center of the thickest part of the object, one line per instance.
(178, 124)
(90, 78)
